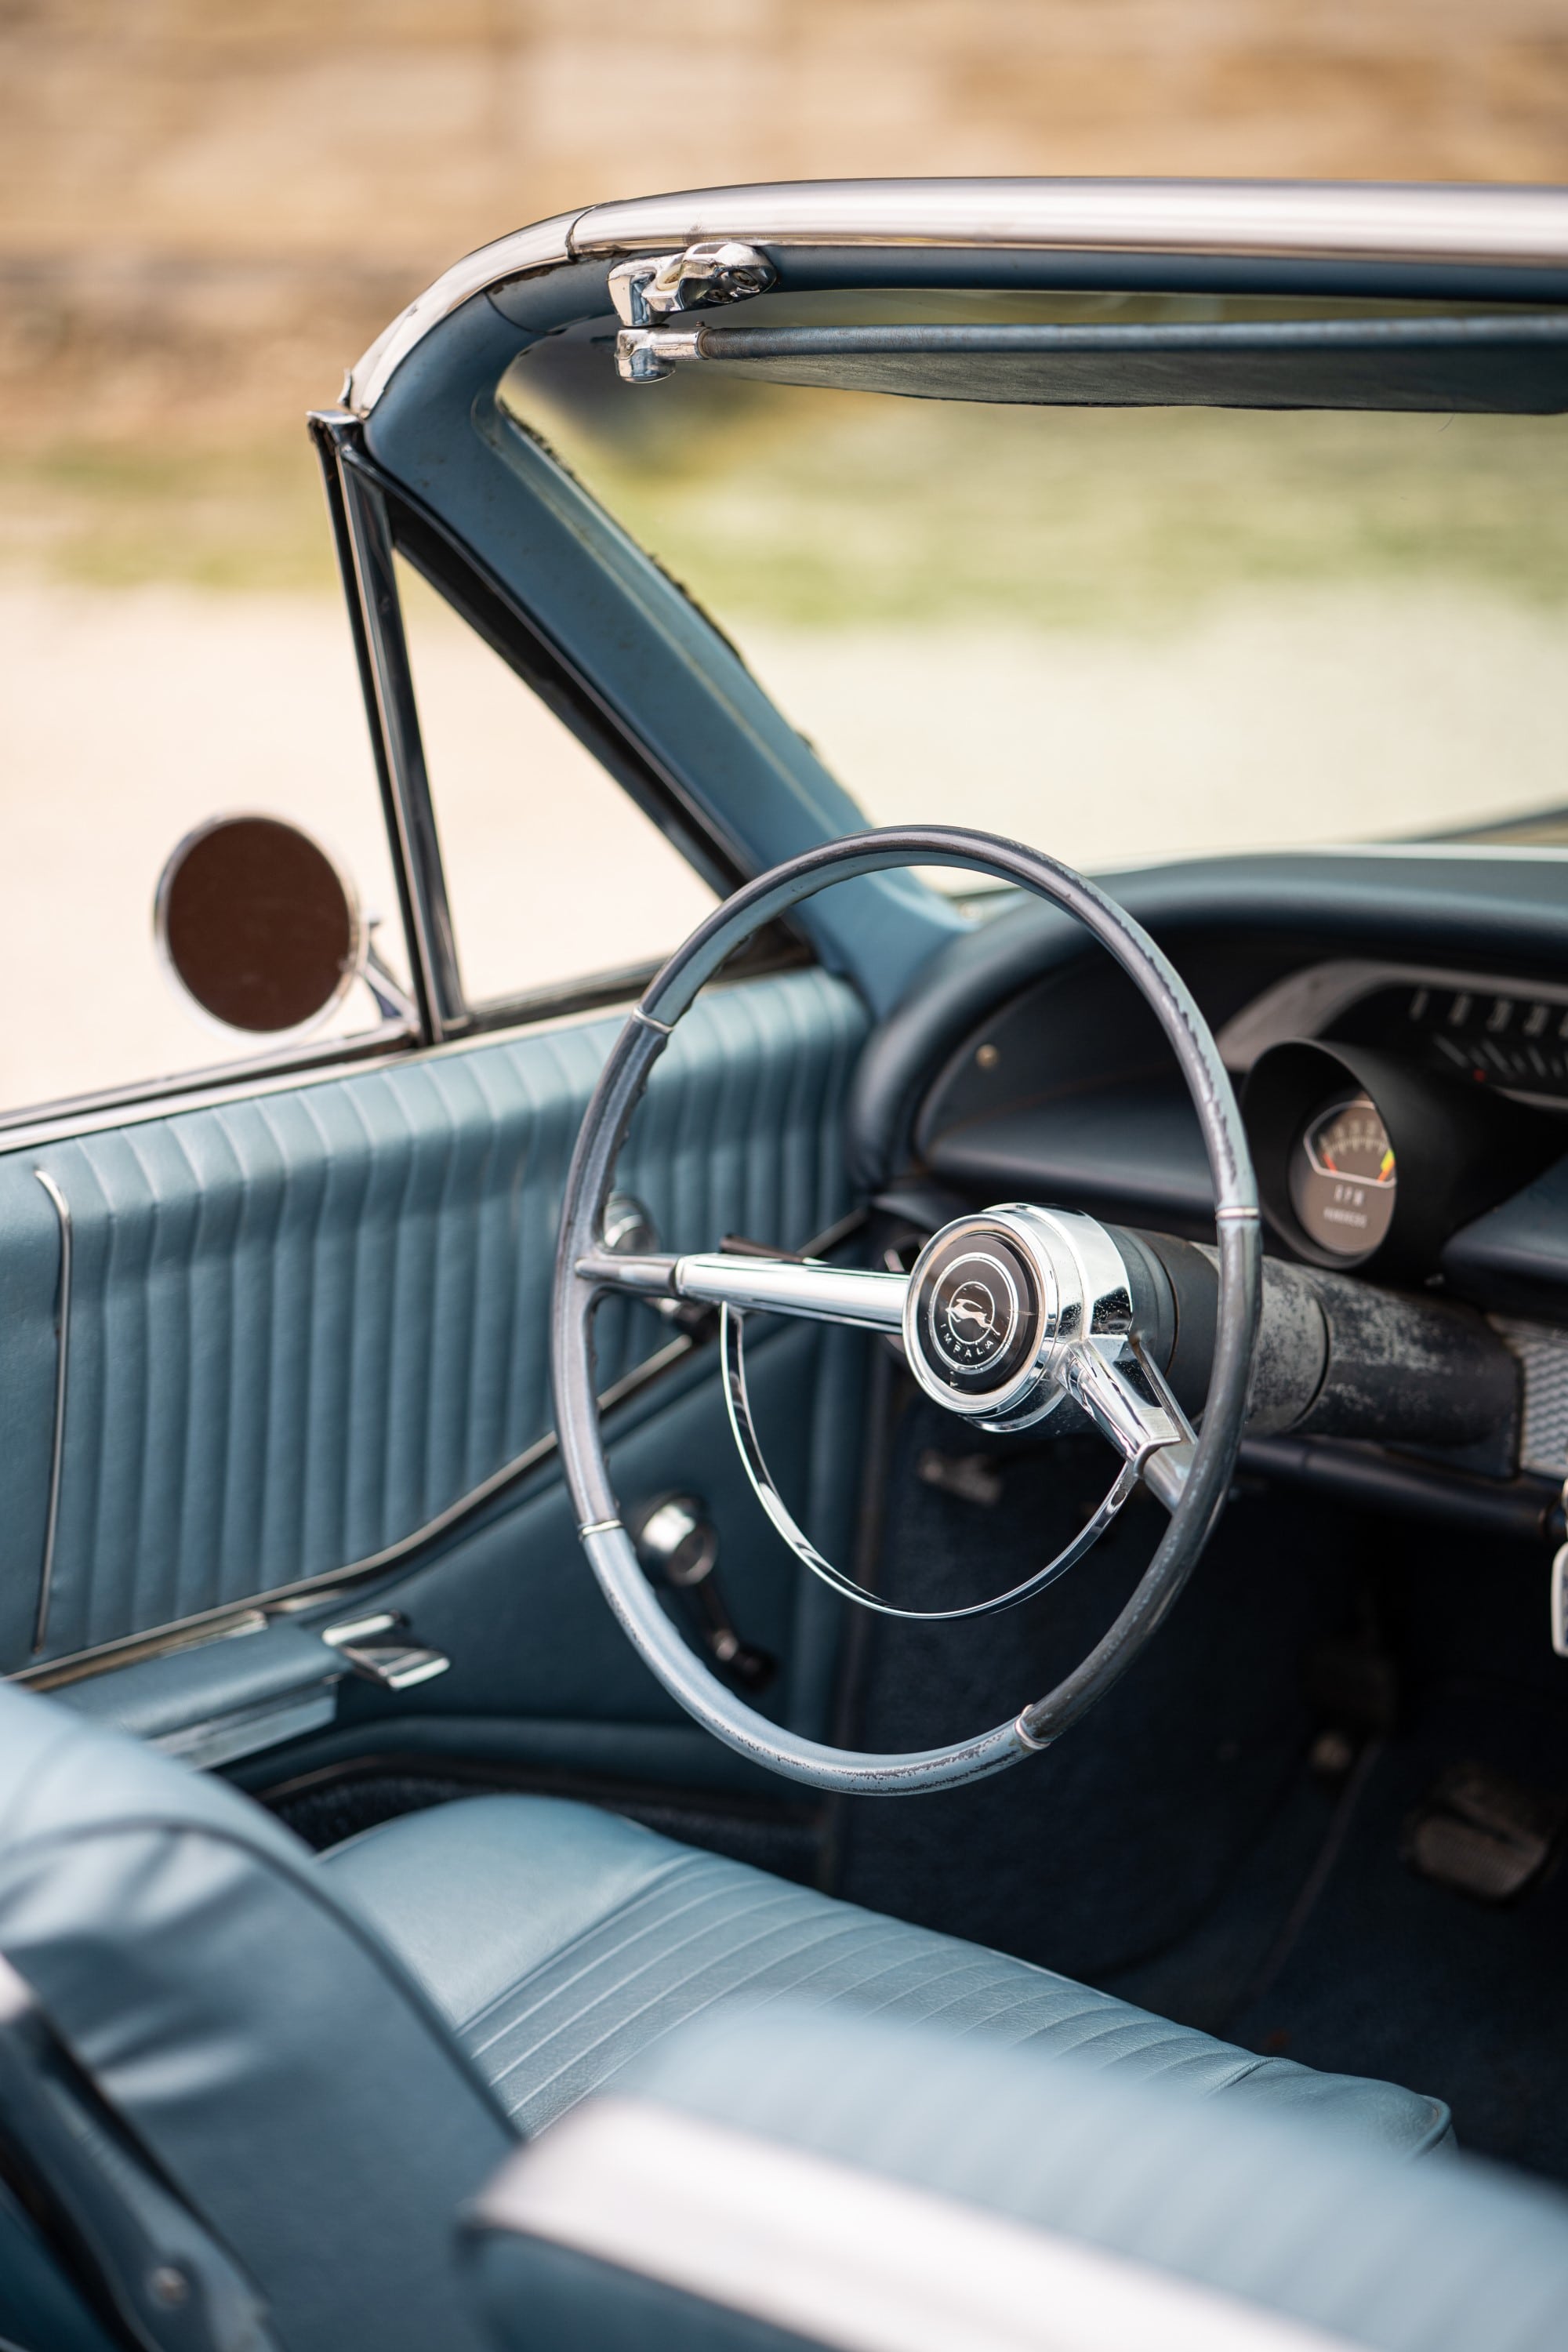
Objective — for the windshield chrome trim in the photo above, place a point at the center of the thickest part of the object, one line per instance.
(547, 245)
(1420, 223)
(1345, 220)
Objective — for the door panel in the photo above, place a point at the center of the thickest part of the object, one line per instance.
(542, 1676)
(303, 1323)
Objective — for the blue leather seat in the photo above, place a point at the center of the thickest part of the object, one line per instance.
(324, 2059)
(561, 1942)
(774, 2179)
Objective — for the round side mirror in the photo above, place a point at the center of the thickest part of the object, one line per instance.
(258, 926)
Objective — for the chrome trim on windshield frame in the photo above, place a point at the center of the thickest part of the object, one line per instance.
(1515, 226)
(524, 253)
(1425, 224)
(58, 1438)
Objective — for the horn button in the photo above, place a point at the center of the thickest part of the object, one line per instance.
(979, 1312)
(993, 1300)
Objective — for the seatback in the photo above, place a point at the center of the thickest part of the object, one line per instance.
(272, 2058)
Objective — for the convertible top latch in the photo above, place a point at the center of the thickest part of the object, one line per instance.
(704, 278)
(716, 271)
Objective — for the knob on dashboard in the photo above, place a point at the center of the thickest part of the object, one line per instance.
(675, 1541)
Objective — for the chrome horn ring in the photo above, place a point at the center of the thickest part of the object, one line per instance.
(1004, 1358)
(732, 1322)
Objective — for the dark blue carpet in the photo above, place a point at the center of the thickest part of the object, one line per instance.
(1162, 1847)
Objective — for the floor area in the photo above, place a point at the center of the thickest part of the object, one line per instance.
(1228, 1839)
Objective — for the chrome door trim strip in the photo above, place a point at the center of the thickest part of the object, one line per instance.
(33, 1123)
(496, 1022)
(95, 1119)
(57, 1440)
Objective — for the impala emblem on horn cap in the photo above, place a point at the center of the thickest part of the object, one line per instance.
(976, 1312)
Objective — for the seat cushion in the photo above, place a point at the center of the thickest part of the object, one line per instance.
(563, 1942)
(778, 2179)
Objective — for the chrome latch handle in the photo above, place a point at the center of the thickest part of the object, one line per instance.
(706, 275)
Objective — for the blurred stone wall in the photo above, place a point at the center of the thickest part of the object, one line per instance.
(208, 207)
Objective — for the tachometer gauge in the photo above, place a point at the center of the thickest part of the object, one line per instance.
(1343, 1178)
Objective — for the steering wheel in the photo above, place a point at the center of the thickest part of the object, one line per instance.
(1003, 1315)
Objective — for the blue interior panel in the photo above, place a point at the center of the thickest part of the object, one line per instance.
(540, 1667)
(304, 1323)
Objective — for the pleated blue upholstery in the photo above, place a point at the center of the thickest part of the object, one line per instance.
(305, 1322)
(1278, 2216)
(561, 1944)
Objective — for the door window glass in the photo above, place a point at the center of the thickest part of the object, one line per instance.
(553, 873)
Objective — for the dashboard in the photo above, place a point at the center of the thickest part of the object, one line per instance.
(1407, 1108)
(1388, 1106)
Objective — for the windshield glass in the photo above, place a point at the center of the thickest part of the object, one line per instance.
(1122, 634)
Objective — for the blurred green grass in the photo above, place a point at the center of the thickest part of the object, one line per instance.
(823, 510)
(245, 514)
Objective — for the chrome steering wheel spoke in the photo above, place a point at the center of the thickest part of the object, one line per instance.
(1128, 1403)
(809, 1287)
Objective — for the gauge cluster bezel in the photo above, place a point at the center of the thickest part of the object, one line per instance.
(1323, 1001)
(1457, 1151)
